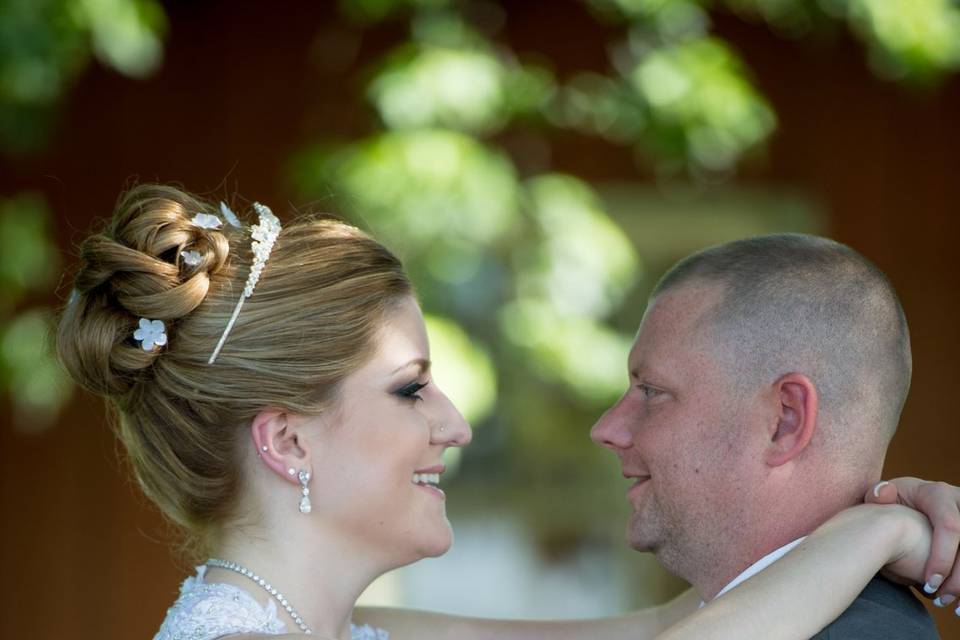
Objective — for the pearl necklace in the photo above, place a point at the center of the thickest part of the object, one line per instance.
(233, 566)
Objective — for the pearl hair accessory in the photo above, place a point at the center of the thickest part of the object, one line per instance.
(151, 333)
(264, 235)
(304, 477)
(279, 597)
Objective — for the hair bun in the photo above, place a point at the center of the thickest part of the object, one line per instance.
(136, 268)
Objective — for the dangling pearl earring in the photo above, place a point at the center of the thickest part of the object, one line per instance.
(304, 478)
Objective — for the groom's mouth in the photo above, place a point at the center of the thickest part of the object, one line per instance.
(637, 488)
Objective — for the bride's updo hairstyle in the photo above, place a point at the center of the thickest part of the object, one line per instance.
(310, 322)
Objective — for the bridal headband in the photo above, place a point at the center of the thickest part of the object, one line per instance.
(264, 235)
(152, 333)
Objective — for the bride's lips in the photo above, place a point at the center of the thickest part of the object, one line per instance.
(434, 490)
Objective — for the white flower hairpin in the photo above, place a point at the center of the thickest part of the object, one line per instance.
(192, 258)
(229, 215)
(152, 333)
(264, 235)
(207, 221)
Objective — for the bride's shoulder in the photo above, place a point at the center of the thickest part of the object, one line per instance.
(217, 611)
(364, 632)
(262, 636)
(205, 611)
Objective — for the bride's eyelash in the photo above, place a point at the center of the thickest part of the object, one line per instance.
(411, 390)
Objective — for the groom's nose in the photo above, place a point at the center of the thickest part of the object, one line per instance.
(611, 430)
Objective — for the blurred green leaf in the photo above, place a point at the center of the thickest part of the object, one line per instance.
(644, 9)
(417, 188)
(373, 11)
(36, 384)
(463, 86)
(46, 44)
(586, 356)
(583, 264)
(462, 368)
(909, 39)
(452, 88)
(703, 109)
(915, 41)
(126, 34)
(786, 17)
(28, 256)
(599, 105)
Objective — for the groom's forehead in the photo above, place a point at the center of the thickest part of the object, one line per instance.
(678, 312)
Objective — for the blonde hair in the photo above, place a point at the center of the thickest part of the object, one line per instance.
(311, 321)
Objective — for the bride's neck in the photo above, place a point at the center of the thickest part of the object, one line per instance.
(320, 575)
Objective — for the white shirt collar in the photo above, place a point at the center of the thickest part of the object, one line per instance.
(760, 565)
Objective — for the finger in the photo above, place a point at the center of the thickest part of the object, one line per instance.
(949, 590)
(910, 490)
(882, 493)
(947, 595)
(944, 514)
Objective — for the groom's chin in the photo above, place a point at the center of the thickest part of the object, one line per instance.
(638, 539)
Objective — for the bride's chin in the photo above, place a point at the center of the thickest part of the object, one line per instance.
(438, 544)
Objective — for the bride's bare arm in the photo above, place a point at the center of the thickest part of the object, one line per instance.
(845, 553)
(790, 601)
(407, 624)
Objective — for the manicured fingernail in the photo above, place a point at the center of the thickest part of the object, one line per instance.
(957, 611)
(943, 601)
(876, 489)
(933, 583)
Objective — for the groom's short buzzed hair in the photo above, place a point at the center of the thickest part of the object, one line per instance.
(801, 303)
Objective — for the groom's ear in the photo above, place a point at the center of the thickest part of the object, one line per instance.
(796, 418)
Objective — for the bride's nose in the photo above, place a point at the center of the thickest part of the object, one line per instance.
(450, 428)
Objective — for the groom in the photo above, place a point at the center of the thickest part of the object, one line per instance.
(767, 380)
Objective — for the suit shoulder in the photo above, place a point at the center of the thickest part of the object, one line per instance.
(882, 611)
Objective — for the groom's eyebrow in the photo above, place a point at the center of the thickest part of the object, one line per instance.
(635, 367)
(643, 371)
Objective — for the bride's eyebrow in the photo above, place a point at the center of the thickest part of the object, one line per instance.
(422, 363)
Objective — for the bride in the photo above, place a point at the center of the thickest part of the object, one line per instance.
(274, 396)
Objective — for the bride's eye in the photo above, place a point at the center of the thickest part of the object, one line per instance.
(411, 391)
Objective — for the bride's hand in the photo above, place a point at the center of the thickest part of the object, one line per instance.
(912, 546)
(940, 503)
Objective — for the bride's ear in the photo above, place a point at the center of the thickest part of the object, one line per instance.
(280, 445)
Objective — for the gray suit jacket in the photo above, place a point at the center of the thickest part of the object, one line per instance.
(882, 611)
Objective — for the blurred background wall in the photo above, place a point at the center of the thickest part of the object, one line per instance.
(537, 165)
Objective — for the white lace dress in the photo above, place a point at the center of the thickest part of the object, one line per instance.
(209, 610)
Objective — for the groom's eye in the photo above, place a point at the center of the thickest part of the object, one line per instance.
(648, 391)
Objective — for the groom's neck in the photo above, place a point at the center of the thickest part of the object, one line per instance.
(764, 531)
(741, 557)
